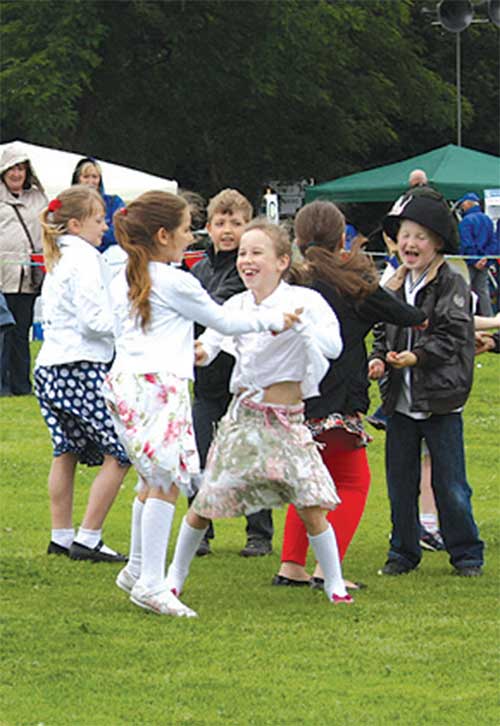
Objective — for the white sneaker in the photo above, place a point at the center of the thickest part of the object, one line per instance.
(125, 580)
(162, 602)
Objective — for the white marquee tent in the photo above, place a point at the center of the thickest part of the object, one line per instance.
(55, 168)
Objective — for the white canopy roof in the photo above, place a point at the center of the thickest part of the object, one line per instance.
(55, 168)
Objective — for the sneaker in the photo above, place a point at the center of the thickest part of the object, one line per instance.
(162, 602)
(204, 548)
(56, 549)
(125, 580)
(472, 571)
(79, 551)
(395, 567)
(256, 548)
(431, 542)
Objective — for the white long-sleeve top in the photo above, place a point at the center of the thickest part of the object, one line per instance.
(177, 300)
(76, 306)
(299, 354)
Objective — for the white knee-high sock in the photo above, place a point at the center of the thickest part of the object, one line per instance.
(327, 553)
(135, 552)
(156, 523)
(188, 541)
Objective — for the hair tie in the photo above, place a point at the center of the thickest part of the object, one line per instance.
(123, 211)
(54, 205)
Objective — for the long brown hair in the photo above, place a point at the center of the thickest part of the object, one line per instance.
(319, 230)
(78, 202)
(136, 227)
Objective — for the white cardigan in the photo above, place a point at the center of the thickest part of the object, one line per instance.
(76, 307)
(177, 300)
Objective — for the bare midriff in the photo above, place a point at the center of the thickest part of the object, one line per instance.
(285, 393)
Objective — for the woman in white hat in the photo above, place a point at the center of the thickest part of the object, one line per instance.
(22, 198)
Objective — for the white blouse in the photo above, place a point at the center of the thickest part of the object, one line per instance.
(76, 307)
(300, 354)
(177, 300)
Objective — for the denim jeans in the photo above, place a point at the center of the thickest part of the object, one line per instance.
(444, 437)
(207, 412)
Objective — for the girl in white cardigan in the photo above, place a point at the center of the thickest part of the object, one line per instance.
(155, 304)
(263, 455)
(70, 369)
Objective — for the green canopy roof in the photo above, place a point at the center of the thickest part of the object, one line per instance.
(453, 170)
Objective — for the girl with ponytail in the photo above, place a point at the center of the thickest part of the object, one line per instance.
(155, 304)
(348, 281)
(70, 369)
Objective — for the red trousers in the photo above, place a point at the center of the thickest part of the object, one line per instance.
(350, 472)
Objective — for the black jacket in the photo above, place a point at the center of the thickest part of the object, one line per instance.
(442, 379)
(344, 389)
(218, 275)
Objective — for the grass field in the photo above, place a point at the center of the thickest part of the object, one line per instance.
(415, 650)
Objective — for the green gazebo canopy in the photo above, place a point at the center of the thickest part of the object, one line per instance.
(453, 170)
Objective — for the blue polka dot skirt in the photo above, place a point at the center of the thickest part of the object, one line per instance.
(74, 410)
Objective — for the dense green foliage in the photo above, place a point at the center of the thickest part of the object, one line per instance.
(417, 650)
(235, 92)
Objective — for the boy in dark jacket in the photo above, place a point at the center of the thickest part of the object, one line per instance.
(227, 214)
(427, 379)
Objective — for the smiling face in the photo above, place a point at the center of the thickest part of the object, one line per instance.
(225, 229)
(90, 176)
(417, 246)
(91, 228)
(15, 177)
(259, 266)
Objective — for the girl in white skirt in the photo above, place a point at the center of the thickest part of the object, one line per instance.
(155, 304)
(70, 368)
(263, 456)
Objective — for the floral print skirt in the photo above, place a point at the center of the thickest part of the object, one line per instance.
(263, 456)
(152, 415)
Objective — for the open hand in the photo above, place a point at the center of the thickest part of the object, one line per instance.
(292, 318)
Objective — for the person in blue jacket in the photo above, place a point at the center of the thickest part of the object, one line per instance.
(88, 171)
(477, 239)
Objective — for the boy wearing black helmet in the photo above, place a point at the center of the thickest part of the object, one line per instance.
(427, 377)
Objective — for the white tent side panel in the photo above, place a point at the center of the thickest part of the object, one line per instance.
(55, 168)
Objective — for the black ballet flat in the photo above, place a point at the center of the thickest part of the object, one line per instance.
(282, 581)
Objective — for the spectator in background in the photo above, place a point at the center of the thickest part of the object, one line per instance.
(477, 239)
(88, 172)
(418, 178)
(22, 198)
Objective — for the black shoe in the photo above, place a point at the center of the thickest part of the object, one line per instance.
(431, 542)
(55, 549)
(317, 583)
(204, 548)
(82, 552)
(281, 580)
(472, 571)
(395, 567)
(256, 548)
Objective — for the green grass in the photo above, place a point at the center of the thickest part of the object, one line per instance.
(415, 650)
